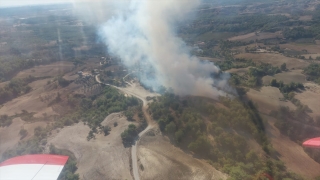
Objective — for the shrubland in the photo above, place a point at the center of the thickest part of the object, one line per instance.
(219, 132)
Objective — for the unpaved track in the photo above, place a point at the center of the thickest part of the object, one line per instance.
(137, 92)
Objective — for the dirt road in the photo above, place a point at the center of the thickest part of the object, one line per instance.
(140, 93)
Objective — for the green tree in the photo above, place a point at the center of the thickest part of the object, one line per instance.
(283, 67)
(171, 127)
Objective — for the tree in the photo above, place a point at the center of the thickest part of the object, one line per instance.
(274, 83)
(129, 115)
(106, 130)
(171, 127)
(23, 133)
(283, 67)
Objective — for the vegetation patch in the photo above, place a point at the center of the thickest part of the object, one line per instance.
(189, 122)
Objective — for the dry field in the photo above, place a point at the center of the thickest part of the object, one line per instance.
(53, 69)
(102, 158)
(239, 71)
(159, 159)
(305, 18)
(209, 59)
(275, 60)
(291, 153)
(31, 101)
(313, 56)
(9, 136)
(268, 98)
(3, 84)
(254, 36)
(299, 47)
(311, 97)
(286, 77)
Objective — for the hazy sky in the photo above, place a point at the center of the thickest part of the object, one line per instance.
(6, 3)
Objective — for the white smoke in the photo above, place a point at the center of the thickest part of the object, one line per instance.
(142, 32)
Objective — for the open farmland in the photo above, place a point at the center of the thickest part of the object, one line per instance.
(268, 98)
(275, 60)
(104, 157)
(286, 77)
(159, 159)
(291, 153)
(54, 69)
(313, 49)
(311, 97)
(256, 36)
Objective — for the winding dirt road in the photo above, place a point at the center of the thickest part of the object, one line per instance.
(135, 91)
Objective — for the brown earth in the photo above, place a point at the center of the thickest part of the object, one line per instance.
(53, 69)
(239, 71)
(268, 98)
(311, 97)
(291, 153)
(299, 47)
(286, 77)
(209, 59)
(305, 18)
(104, 157)
(31, 102)
(159, 159)
(4, 84)
(253, 36)
(275, 60)
(313, 56)
(9, 136)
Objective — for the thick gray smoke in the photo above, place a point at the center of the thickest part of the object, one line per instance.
(141, 33)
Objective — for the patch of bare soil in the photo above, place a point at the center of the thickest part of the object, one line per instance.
(159, 159)
(101, 158)
(209, 59)
(253, 36)
(32, 102)
(239, 71)
(9, 136)
(291, 153)
(300, 47)
(311, 97)
(53, 69)
(31, 126)
(286, 77)
(4, 84)
(268, 99)
(313, 56)
(275, 60)
(305, 18)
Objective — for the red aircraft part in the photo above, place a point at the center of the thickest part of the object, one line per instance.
(32, 167)
(312, 143)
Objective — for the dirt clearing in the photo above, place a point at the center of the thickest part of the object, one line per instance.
(53, 69)
(286, 77)
(102, 158)
(311, 97)
(9, 136)
(239, 71)
(30, 102)
(314, 49)
(159, 159)
(268, 99)
(253, 36)
(305, 18)
(291, 153)
(275, 60)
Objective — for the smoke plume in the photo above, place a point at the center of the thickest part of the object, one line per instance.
(142, 34)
